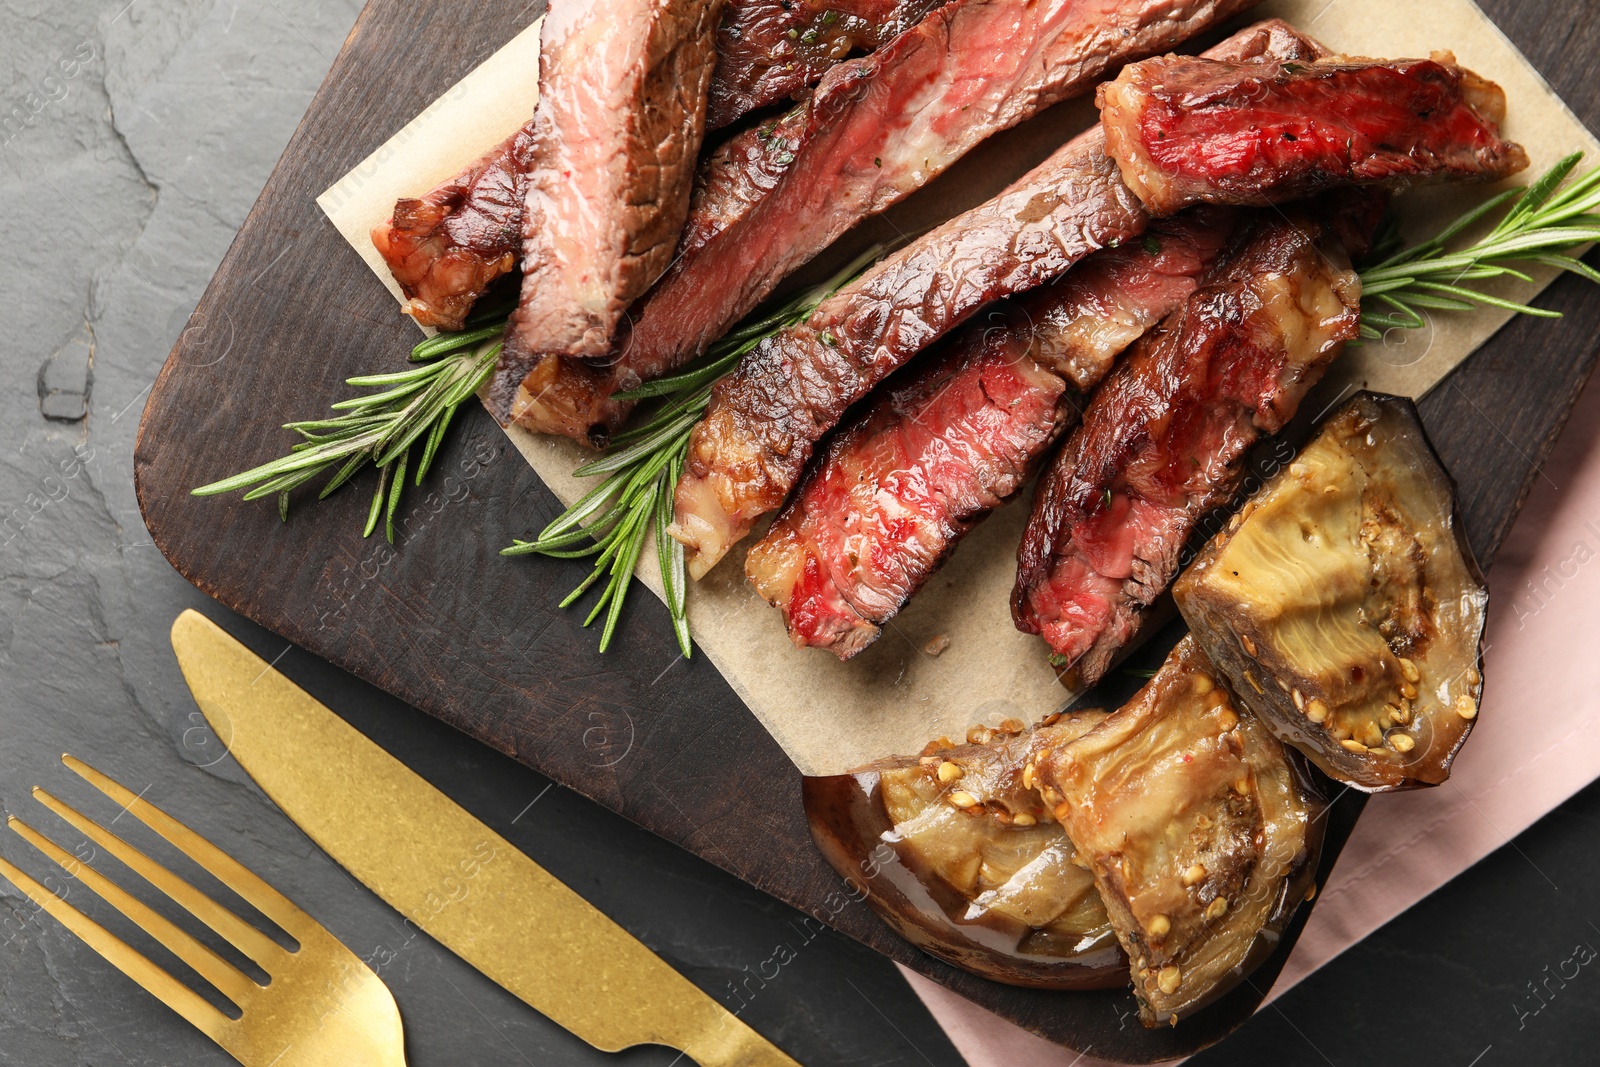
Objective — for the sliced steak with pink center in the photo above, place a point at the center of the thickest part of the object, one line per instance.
(1163, 440)
(876, 129)
(1185, 129)
(940, 447)
(766, 417)
(617, 130)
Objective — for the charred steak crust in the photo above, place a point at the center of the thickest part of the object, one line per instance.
(947, 442)
(876, 129)
(1162, 441)
(771, 50)
(765, 418)
(1185, 129)
(445, 248)
(621, 114)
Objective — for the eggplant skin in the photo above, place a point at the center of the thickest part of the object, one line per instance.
(1203, 833)
(930, 874)
(1344, 605)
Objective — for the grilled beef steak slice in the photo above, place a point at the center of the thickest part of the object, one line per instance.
(876, 129)
(446, 247)
(1186, 129)
(951, 439)
(765, 418)
(1201, 830)
(771, 50)
(1162, 441)
(621, 113)
(673, 322)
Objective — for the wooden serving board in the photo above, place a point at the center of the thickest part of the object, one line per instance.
(444, 622)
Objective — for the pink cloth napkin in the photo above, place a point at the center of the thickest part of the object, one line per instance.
(1534, 747)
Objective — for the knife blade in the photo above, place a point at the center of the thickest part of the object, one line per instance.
(448, 873)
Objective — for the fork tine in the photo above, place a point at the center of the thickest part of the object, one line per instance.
(223, 867)
(213, 968)
(158, 983)
(246, 938)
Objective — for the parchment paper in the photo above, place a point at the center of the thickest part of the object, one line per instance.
(893, 698)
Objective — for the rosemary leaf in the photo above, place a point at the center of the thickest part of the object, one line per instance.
(673, 570)
(377, 502)
(445, 343)
(416, 374)
(583, 586)
(1566, 263)
(348, 471)
(1423, 299)
(395, 489)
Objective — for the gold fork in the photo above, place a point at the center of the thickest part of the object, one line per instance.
(321, 1004)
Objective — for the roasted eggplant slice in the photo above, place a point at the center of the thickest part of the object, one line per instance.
(961, 857)
(1201, 830)
(1344, 605)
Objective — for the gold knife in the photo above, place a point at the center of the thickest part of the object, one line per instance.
(447, 872)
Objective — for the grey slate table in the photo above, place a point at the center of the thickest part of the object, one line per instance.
(133, 139)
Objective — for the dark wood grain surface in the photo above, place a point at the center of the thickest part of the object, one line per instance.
(444, 622)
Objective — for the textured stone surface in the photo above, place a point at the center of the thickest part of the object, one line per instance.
(133, 140)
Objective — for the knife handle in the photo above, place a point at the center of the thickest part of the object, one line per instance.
(730, 1043)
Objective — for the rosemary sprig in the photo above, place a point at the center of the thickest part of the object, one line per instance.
(411, 412)
(1545, 221)
(642, 467)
